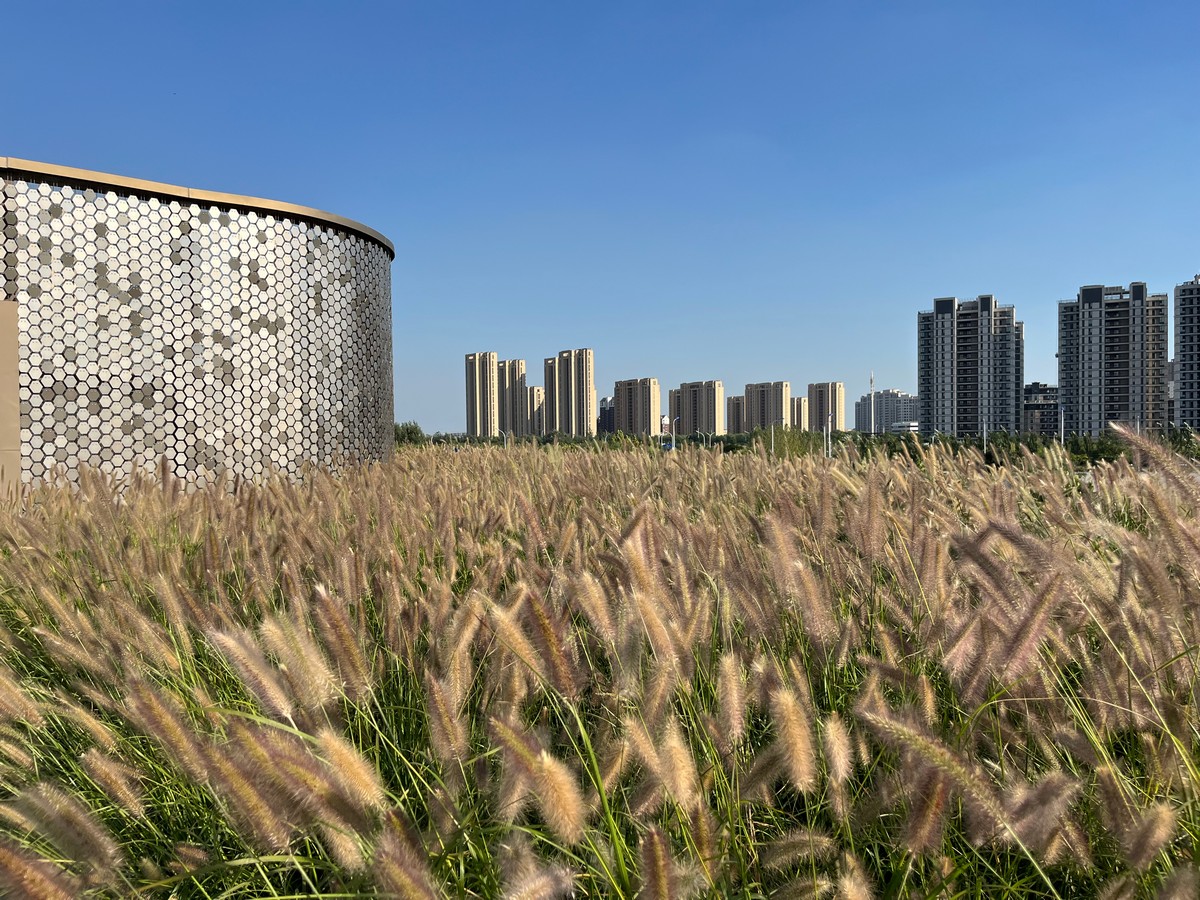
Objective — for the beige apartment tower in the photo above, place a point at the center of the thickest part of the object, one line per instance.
(483, 406)
(537, 411)
(700, 407)
(800, 413)
(768, 403)
(571, 393)
(638, 406)
(827, 406)
(550, 395)
(735, 414)
(513, 397)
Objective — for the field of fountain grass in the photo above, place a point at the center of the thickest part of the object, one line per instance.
(535, 673)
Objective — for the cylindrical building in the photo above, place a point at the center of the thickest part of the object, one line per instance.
(226, 334)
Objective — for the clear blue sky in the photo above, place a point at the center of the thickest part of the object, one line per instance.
(748, 191)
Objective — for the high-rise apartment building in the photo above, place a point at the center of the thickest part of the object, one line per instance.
(638, 406)
(1112, 358)
(768, 403)
(701, 407)
(890, 406)
(513, 397)
(1040, 409)
(735, 414)
(550, 400)
(537, 411)
(483, 408)
(1187, 353)
(571, 393)
(827, 406)
(800, 413)
(608, 416)
(970, 367)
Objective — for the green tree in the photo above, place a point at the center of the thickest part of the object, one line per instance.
(409, 433)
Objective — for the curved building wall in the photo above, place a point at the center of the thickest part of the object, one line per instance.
(224, 336)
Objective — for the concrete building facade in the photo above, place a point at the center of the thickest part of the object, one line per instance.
(970, 367)
(1040, 414)
(827, 406)
(537, 411)
(638, 406)
(768, 403)
(607, 418)
(1187, 354)
(735, 415)
(483, 394)
(800, 413)
(512, 397)
(890, 406)
(1112, 358)
(700, 406)
(570, 382)
(550, 396)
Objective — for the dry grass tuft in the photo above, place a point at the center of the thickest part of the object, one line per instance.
(556, 672)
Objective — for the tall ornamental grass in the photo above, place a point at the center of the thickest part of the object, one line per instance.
(539, 673)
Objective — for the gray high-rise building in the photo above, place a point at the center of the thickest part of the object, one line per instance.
(608, 416)
(1172, 389)
(483, 407)
(638, 406)
(1112, 358)
(1187, 353)
(1040, 409)
(513, 397)
(970, 367)
(891, 406)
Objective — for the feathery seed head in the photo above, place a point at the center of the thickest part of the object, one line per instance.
(1146, 836)
(795, 739)
(355, 776)
(24, 875)
(731, 697)
(839, 754)
(400, 865)
(116, 779)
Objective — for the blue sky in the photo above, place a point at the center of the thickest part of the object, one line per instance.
(748, 191)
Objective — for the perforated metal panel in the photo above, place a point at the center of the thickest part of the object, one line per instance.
(223, 339)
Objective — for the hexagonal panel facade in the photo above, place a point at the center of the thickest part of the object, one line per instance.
(226, 340)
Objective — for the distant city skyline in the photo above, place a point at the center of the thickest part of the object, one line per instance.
(658, 181)
(1113, 365)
